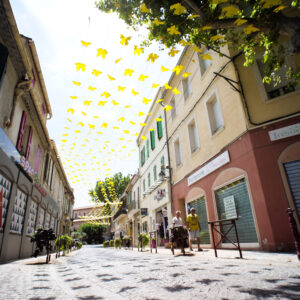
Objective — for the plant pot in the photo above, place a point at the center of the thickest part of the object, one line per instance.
(153, 242)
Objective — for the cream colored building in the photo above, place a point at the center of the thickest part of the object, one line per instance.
(234, 147)
(156, 210)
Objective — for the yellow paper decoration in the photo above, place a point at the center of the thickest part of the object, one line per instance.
(104, 125)
(155, 85)
(173, 52)
(114, 102)
(105, 94)
(80, 67)
(178, 9)
(172, 30)
(111, 78)
(152, 57)
(102, 103)
(167, 107)
(124, 40)
(102, 52)
(163, 69)
(87, 103)
(143, 77)
(121, 88)
(175, 91)
(76, 83)
(128, 72)
(158, 22)
(91, 88)
(71, 110)
(167, 86)
(186, 74)
(121, 119)
(144, 8)
(118, 60)
(146, 101)
(85, 44)
(96, 72)
(137, 51)
(134, 92)
(81, 124)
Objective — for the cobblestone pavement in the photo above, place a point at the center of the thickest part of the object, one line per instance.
(97, 273)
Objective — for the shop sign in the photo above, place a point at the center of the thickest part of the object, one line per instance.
(144, 212)
(229, 206)
(215, 164)
(40, 189)
(160, 194)
(284, 132)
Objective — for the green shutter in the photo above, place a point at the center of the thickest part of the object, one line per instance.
(159, 129)
(245, 224)
(200, 207)
(144, 185)
(162, 160)
(148, 149)
(154, 173)
(143, 156)
(152, 136)
(149, 180)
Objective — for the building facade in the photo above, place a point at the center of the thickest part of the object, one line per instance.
(33, 184)
(234, 148)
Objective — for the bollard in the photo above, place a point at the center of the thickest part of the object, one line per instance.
(295, 231)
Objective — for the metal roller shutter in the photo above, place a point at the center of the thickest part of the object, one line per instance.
(245, 223)
(292, 170)
(200, 207)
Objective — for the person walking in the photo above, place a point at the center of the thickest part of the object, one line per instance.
(194, 228)
(178, 233)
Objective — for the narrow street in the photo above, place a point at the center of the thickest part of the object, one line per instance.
(97, 273)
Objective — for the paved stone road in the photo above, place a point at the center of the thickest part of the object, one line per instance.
(97, 273)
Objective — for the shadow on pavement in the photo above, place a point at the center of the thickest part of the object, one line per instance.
(177, 288)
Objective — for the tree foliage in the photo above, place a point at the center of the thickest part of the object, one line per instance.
(268, 27)
(119, 181)
(93, 232)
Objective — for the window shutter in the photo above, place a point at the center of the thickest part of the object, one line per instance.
(152, 136)
(154, 173)
(148, 149)
(38, 158)
(46, 167)
(21, 131)
(3, 60)
(162, 161)
(143, 156)
(28, 143)
(159, 130)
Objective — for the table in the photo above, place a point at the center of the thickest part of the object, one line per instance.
(220, 223)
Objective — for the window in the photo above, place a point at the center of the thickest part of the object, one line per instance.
(186, 86)
(38, 158)
(144, 185)
(148, 148)
(149, 179)
(154, 173)
(204, 63)
(159, 129)
(21, 131)
(138, 196)
(3, 60)
(143, 156)
(214, 114)
(193, 136)
(48, 170)
(173, 111)
(177, 153)
(282, 87)
(152, 137)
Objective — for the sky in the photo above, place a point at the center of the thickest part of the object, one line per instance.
(93, 139)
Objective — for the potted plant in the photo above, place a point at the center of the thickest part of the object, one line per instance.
(143, 240)
(117, 243)
(153, 242)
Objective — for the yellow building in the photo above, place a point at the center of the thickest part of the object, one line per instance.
(233, 145)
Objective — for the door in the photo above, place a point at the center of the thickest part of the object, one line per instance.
(200, 207)
(292, 170)
(237, 193)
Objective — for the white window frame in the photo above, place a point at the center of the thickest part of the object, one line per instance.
(213, 95)
(177, 139)
(197, 140)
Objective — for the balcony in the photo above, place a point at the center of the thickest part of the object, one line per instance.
(132, 205)
(121, 211)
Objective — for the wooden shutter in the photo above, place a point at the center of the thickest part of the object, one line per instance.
(38, 158)
(143, 156)
(21, 131)
(28, 143)
(152, 137)
(159, 129)
(148, 148)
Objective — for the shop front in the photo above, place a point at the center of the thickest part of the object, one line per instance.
(254, 180)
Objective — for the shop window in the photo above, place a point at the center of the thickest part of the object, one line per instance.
(32, 218)
(186, 86)
(193, 136)
(177, 151)
(18, 215)
(204, 64)
(5, 186)
(214, 114)
(152, 138)
(173, 111)
(159, 129)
